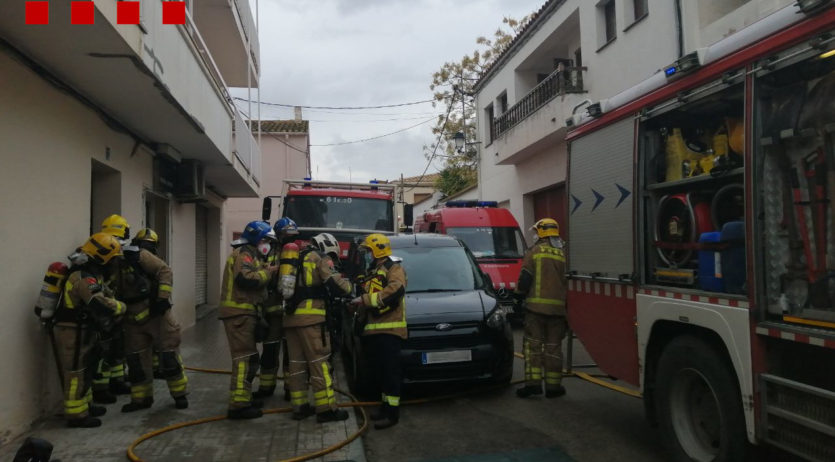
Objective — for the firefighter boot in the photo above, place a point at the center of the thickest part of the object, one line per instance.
(380, 413)
(529, 390)
(103, 397)
(181, 402)
(119, 387)
(249, 412)
(263, 392)
(304, 412)
(392, 417)
(286, 394)
(143, 403)
(556, 392)
(332, 415)
(98, 411)
(85, 422)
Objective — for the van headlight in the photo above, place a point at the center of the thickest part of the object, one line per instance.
(496, 318)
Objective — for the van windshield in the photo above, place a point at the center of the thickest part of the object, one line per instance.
(495, 242)
(340, 212)
(439, 269)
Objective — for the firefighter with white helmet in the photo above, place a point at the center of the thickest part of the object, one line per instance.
(383, 304)
(144, 282)
(86, 312)
(243, 291)
(308, 344)
(542, 286)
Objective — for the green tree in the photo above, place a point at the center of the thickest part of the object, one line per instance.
(452, 85)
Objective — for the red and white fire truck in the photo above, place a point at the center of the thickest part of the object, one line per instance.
(491, 233)
(346, 210)
(702, 258)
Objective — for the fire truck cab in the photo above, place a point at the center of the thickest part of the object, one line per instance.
(491, 233)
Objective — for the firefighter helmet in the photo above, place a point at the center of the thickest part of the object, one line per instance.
(285, 227)
(547, 227)
(326, 244)
(101, 248)
(255, 231)
(147, 234)
(117, 226)
(379, 244)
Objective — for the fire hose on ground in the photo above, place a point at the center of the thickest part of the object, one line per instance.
(131, 454)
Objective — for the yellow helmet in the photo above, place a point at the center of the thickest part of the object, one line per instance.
(547, 227)
(101, 248)
(379, 244)
(116, 225)
(147, 234)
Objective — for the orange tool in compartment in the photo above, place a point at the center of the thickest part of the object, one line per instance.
(815, 174)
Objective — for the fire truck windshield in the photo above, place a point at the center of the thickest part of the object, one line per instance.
(486, 242)
(339, 212)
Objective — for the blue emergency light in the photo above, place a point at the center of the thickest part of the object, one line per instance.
(463, 203)
(670, 71)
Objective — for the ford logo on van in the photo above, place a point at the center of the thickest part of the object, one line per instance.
(443, 326)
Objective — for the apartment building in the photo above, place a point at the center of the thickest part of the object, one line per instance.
(105, 118)
(572, 55)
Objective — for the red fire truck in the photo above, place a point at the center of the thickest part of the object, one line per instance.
(492, 235)
(346, 210)
(702, 205)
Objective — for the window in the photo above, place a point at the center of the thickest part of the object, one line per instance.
(491, 126)
(639, 9)
(502, 101)
(609, 18)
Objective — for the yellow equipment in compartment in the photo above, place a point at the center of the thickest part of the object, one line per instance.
(681, 160)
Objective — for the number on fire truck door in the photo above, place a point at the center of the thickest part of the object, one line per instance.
(600, 201)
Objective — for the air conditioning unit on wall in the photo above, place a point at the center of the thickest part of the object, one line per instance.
(191, 182)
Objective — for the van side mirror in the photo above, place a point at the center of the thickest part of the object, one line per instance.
(266, 208)
(408, 214)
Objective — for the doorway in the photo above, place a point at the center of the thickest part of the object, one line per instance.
(157, 217)
(105, 194)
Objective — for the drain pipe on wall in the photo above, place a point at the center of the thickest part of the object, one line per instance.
(679, 29)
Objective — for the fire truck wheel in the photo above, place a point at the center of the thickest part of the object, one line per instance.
(699, 403)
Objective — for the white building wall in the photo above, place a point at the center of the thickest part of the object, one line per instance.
(49, 143)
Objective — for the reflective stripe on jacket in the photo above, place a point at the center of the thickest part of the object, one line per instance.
(544, 285)
(316, 271)
(244, 285)
(384, 299)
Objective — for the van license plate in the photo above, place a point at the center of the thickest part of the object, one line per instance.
(455, 356)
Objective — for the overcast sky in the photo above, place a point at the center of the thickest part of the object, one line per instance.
(368, 53)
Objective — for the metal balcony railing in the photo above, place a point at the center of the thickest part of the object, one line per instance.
(558, 83)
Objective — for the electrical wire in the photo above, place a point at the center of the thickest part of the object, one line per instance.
(337, 107)
(435, 149)
(286, 143)
(375, 137)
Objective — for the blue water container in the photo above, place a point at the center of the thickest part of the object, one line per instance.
(710, 264)
(733, 257)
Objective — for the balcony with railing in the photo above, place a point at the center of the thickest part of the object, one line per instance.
(538, 115)
(558, 83)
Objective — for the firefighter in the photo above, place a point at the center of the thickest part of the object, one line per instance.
(286, 231)
(243, 291)
(308, 342)
(87, 311)
(383, 305)
(144, 282)
(542, 286)
(109, 378)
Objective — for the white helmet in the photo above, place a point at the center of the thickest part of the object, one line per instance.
(326, 243)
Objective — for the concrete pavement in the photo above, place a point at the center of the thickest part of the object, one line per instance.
(272, 437)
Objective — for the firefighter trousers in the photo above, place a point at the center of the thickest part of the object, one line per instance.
(75, 345)
(384, 350)
(163, 334)
(543, 349)
(271, 351)
(309, 352)
(111, 362)
(240, 332)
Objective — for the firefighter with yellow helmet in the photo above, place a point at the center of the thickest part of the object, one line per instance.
(86, 312)
(542, 286)
(144, 282)
(383, 306)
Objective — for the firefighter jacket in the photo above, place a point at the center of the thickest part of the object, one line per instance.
(542, 279)
(86, 300)
(384, 299)
(142, 279)
(273, 302)
(244, 286)
(317, 280)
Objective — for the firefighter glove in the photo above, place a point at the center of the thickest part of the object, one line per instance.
(160, 306)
